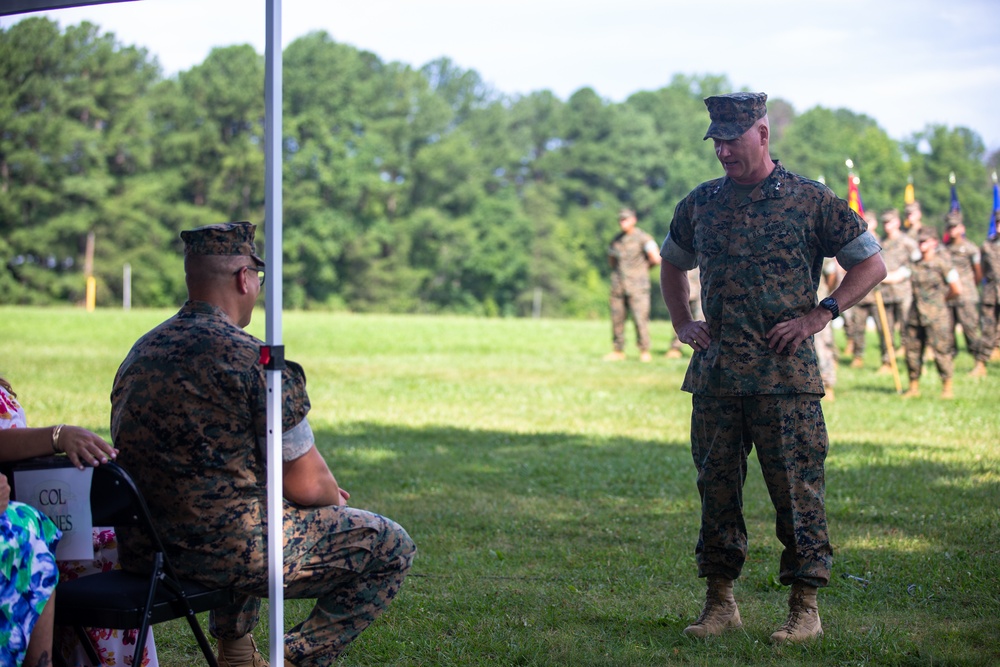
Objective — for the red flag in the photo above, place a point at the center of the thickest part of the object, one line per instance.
(853, 196)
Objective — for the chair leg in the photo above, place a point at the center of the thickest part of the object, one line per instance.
(206, 648)
(88, 646)
(143, 630)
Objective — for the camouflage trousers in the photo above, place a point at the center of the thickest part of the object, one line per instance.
(351, 561)
(790, 435)
(991, 333)
(895, 316)
(894, 312)
(859, 326)
(637, 301)
(939, 335)
(966, 313)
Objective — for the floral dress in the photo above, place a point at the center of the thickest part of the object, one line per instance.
(114, 647)
(28, 575)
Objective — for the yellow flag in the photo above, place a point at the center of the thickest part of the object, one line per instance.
(908, 196)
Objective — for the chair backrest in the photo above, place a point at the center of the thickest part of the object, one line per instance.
(115, 499)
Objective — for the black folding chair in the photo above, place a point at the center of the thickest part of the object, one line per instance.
(123, 600)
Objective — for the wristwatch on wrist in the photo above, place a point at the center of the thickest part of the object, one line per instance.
(831, 304)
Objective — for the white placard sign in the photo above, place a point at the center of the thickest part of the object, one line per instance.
(63, 495)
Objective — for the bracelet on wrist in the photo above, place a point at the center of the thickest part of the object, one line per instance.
(55, 438)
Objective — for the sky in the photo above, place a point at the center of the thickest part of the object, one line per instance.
(905, 63)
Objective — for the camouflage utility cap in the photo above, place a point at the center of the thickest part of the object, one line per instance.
(734, 114)
(228, 238)
(953, 219)
(626, 213)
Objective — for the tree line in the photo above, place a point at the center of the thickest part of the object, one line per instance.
(405, 189)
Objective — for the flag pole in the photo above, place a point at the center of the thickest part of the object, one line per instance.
(887, 337)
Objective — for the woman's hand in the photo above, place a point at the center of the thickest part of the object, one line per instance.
(85, 447)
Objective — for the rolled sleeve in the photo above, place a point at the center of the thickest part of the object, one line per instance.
(858, 250)
(296, 441)
(673, 253)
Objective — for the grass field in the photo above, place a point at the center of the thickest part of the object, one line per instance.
(552, 495)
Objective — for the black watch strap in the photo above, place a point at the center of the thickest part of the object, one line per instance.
(831, 304)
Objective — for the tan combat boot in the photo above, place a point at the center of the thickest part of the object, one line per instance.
(914, 390)
(720, 612)
(673, 353)
(614, 356)
(979, 370)
(946, 389)
(645, 357)
(803, 621)
(240, 652)
(857, 362)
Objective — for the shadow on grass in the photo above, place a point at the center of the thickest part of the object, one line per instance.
(559, 548)
(565, 549)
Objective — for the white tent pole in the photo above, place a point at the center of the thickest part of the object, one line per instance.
(272, 228)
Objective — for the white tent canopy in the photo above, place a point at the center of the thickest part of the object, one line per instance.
(272, 227)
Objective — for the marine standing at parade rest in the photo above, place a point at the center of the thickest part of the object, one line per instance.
(189, 417)
(631, 253)
(965, 258)
(759, 236)
(929, 322)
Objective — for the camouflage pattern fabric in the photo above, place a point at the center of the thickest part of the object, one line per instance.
(352, 561)
(964, 255)
(991, 293)
(790, 435)
(189, 418)
(761, 261)
(860, 312)
(630, 287)
(929, 322)
(898, 252)
(965, 310)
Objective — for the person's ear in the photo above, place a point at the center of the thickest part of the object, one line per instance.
(241, 281)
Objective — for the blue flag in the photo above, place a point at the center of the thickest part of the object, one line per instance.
(993, 214)
(955, 206)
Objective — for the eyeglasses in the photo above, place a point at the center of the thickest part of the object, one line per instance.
(260, 272)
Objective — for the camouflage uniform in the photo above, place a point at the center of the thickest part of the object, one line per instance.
(761, 259)
(929, 321)
(898, 252)
(190, 420)
(630, 286)
(965, 309)
(991, 294)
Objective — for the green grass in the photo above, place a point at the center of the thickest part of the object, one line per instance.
(552, 495)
